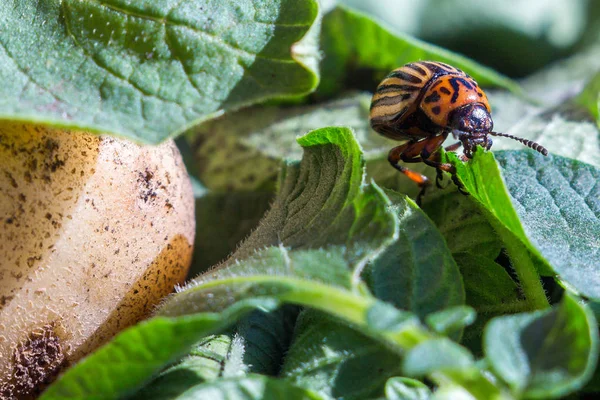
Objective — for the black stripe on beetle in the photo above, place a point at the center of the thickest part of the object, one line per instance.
(455, 88)
(388, 101)
(436, 110)
(405, 77)
(432, 98)
(393, 87)
(445, 90)
(415, 67)
(465, 82)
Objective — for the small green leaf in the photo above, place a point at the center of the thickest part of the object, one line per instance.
(373, 50)
(417, 271)
(436, 355)
(451, 320)
(147, 71)
(129, 360)
(329, 357)
(398, 388)
(252, 387)
(546, 354)
(590, 96)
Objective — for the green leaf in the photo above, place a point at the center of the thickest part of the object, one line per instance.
(417, 271)
(435, 355)
(329, 357)
(490, 291)
(324, 201)
(590, 97)
(398, 388)
(558, 203)
(242, 151)
(545, 354)
(462, 223)
(252, 387)
(545, 206)
(255, 345)
(369, 50)
(129, 360)
(451, 320)
(147, 71)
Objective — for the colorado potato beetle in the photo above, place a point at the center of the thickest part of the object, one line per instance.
(422, 103)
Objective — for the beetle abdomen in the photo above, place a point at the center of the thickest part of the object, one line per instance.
(432, 88)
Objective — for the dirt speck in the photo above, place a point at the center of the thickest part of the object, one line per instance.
(37, 361)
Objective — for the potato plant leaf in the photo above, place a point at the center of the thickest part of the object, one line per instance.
(417, 271)
(252, 387)
(325, 201)
(128, 361)
(329, 358)
(550, 368)
(435, 355)
(243, 150)
(367, 46)
(406, 389)
(551, 205)
(146, 71)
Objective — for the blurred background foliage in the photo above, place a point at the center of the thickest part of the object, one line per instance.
(515, 37)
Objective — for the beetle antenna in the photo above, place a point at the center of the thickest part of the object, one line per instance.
(529, 143)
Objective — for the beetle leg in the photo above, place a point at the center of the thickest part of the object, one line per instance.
(453, 147)
(397, 154)
(430, 157)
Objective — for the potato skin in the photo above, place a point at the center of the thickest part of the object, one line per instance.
(94, 231)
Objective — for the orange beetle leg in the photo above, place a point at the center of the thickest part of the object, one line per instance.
(397, 154)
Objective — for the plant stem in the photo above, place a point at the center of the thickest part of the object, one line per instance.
(522, 263)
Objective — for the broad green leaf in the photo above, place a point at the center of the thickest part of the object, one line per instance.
(252, 387)
(361, 51)
(242, 151)
(149, 70)
(545, 206)
(406, 389)
(256, 344)
(127, 362)
(324, 201)
(558, 203)
(545, 354)
(330, 358)
(203, 364)
(417, 271)
(297, 277)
